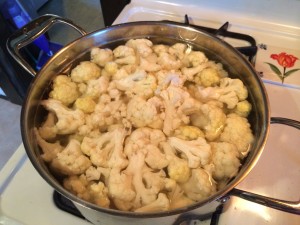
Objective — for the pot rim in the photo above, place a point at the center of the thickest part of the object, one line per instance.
(218, 195)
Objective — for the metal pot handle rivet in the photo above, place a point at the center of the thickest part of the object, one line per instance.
(32, 31)
(283, 205)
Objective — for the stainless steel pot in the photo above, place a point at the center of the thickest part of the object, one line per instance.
(158, 32)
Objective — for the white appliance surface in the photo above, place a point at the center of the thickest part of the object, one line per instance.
(26, 199)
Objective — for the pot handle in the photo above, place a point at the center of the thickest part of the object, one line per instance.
(283, 205)
(31, 32)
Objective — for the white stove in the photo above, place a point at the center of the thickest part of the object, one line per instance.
(26, 199)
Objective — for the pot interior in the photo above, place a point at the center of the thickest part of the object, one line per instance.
(158, 32)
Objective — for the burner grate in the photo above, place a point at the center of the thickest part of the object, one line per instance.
(249, 50)
(186, 219)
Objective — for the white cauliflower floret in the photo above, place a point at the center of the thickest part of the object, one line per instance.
(178, 105)
(178, 168)
(149, 63)
(64, 90)
(50, 150)
(195, 58)
(142, 113)
(95, 87)
(160, 48)
(178, 199)
(198, 152)
(71, 160)
(85, 71)
(199, 186)
(168, 61)
(238, 132)
(139, 83)
(188, 133)
(230, 91)
(147, 141)
(211, 119)
(225, 159)
(48, 130)
(107, 149)
(68, 120)
(168, 77)
(124, 55)
(162, 203)
(142, 46)
(89, 191)
(179, 50)
(101, 56)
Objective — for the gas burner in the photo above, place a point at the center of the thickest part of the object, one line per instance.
(185, 219)
(249, 50)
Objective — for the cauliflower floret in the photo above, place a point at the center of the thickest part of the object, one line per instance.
(89, 191)
(111, 68)
(198, 152)
(142, 113)
(107, 149)
(207, 77)
(179, 50)
(160, 48)
(142, 46)
(199, 186)
(85, 104)
(178, 105)
(188, 133)
(101, 56)
(195, 58)
(48, 130)
(237, 131)
(168, 62)
(211, 119)
(149, 63)
(50, 150)
(242, 108)
(125, 55)
(85, 71)
(64, 90)
(147, 141)
(139, 83)
(162, 203)
(68, 120)
(178, 168)
(168, 77)
(230, 91)
(178, 199)
(71, 160)
(225, 159)
(95, 87)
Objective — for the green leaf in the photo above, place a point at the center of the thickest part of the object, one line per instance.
(290, 72)
(275, 69)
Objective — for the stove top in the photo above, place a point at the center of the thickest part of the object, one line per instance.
(26, 199)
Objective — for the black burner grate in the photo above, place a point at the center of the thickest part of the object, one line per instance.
(249, 50)
(68, 206)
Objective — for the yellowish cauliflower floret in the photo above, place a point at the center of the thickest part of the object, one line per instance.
(125, 55)
(211, 119)
(48, 130)
(188, 133)
(111, 68)
(64, 90)
(225, 159)
(238, 132)
(85, 104)
(243, 108)
(207, 77)
(85, 71)
(101, 56)
(90, 191)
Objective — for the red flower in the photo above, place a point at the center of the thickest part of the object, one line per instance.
(284, 59)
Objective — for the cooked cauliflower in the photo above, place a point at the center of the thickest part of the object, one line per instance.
(237, 131)
(85, 71)
(226, 160)
(145, 127)
(64, 90)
